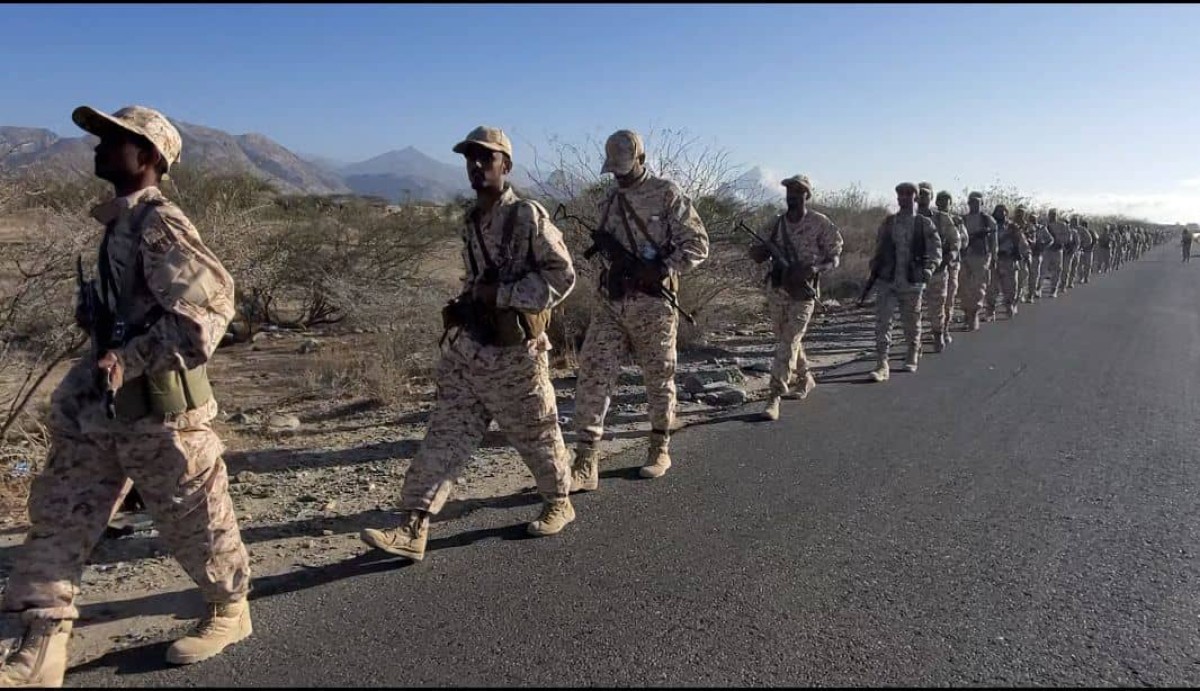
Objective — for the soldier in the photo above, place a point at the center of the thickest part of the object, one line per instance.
(1118, 247)
(1040, 240)
(908, 250)
(494, 362)
(955, 265)
(1186, 242)
(1011, 250)
(977, 260)
(139, 407)
(1087, 245)
(1071, 256)
(811, 244)
(1104, 250)
(1055, 259)
(938, 299)
(663, 237)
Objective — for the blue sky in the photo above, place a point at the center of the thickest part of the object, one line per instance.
(1091, 106)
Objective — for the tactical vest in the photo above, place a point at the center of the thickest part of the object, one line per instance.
(165, 393)
(504, 327)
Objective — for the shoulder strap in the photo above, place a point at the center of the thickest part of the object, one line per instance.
(108, 284)
(640, 225)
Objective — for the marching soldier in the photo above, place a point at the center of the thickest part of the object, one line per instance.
(494, 362)
(977, 260)
(939, 300)
(811, 244)
(137, 409)
(908, 250)
(1011, 250)
(1071, 256)
(1087, 245)
(955, 265)
(1056, 258)
(660, 236)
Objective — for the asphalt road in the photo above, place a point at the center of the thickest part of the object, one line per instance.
(1022, 511)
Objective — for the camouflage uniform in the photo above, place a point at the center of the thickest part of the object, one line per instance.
(1040, 240)
(1012, 249)
(1185, 242)
(1087, 246)
(938, 297)
(1071, 254)
(977, 263)
(1103, 250)
(478, 382)
(178, 300)
(638, 322)
(813, 241)
(1055, 269)
(901, 281)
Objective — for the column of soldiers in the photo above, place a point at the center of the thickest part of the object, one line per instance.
(139, 408)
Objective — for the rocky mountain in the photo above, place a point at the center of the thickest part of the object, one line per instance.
(25, 149)
(408, 174)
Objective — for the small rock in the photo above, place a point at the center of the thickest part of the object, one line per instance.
(247, 518)
(329, 506)
(258, 337)
(308, 544)
(370, 486)
(241, 419)
(831, 304)
(326, 533)
(684, 396)
(726, 397)
(244, 477)
(279, 421)
(255, 348)
(310, 345)
(306, 499)
(744, 332)
(764, 367)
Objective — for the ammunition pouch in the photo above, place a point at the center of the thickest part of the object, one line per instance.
(621, 280)
(799, 282)
(163, 393)
(491, 326)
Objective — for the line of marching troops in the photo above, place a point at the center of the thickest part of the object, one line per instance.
(139, 408)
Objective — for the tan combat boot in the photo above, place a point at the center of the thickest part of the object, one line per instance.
(771, 411)
(910, 360)
(657, 458)
(585, 471)
(556, 514)
(407, 540)
(975, 322)
(225, 623)
(41, 661)
(802, 392)
(1012, 310)
(882, 372)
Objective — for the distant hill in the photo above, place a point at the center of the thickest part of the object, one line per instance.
(25, 149)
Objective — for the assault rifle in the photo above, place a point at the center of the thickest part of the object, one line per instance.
(94, 316)
(604, 242)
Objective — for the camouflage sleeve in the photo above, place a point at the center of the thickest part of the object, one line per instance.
(832, 244)
(190, 284)
(687, 233)
(933, 245)
(993, 239)
(877, 255)
(951, 239)
(551, 278)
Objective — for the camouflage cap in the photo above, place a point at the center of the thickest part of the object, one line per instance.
(621, 151)
(140, 120)
(928, 187)
(487, 137)
(800, 181)
(1021, 207)
(975, 195)
(945, 195)
(1000, 207)
(906, 186)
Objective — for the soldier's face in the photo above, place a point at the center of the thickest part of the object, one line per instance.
(906, 199)
(120, 157)
(1000, 214)
(943, 203)
(795, 198)
(973, 205)
(923, 199)
(485, 168)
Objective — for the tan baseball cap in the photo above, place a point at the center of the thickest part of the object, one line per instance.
(800, 181)
(927, 186)
(139, 120)
(621, 151)
(906, 186)
(489, 138)
(975, 195)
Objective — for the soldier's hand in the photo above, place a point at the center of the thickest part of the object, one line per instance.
(759, 253)
(485, 293)
(111, 365)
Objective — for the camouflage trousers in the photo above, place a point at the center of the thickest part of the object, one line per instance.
(644, 326)
(1054, 269)
(1103, 260)
(1187, 252)
(908, 299)
(939, 299)
(791, 319)
(1085, 266)
(1022, 280)
(180, 474)
(1003, 284)
(973, 284)
(476, 384)
(1035, 276)
(1070, 264)
(953, 271)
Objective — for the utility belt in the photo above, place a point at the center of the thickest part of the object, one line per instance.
(620, 280)
(799, 282)
(492, 326)
(165, 393)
